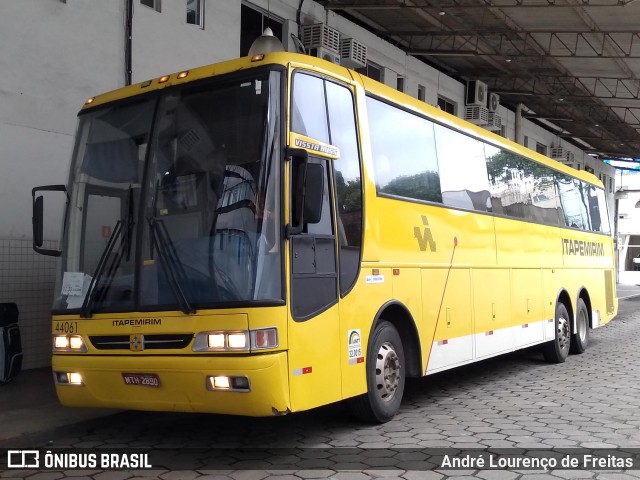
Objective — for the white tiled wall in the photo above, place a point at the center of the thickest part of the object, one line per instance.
(27, 279)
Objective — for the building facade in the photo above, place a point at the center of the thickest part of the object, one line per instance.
(58, 53)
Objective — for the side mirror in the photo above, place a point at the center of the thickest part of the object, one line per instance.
(38, 219)
(313, 192)
(307, 192)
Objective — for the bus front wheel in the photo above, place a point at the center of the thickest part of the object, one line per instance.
(385, 377)
(580, 338)
(557, 350)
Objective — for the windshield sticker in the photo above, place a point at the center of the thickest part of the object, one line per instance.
(354, 346)
(75, 286)
(72, 283)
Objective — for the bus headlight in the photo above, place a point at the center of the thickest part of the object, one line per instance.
(216, 340)
(222, 341)
(236, 340)
(69, 343)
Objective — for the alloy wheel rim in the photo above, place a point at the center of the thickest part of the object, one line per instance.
(387, 372)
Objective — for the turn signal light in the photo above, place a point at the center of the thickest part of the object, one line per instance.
(264, 338)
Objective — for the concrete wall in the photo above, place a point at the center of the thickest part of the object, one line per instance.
(56, 54)
(53, 57)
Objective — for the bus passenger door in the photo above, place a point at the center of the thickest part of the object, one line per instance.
(314, 359)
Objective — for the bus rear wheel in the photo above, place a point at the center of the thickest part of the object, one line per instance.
(385, 377)
(557, 350)
(580, 338)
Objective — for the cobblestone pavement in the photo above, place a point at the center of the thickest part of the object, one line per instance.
(515, 401)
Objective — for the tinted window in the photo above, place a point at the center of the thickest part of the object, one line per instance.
(348, 182)
(574, 206)
(309, 107)
(522, 188)
(404, 156)
(463, 170)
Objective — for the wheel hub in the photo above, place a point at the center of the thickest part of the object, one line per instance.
(582, 326)
(387, 371)
(564, 333)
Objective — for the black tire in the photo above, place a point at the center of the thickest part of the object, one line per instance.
(385, 377)
(557, 350)
(580, 338)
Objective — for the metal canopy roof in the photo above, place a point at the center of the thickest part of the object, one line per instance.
(574, 64)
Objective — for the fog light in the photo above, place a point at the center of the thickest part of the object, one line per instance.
(68, 378)
(240, 383)
(221, 382)
(228, 383)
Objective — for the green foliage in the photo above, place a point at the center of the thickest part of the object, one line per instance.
(422, 186)
(349, 193)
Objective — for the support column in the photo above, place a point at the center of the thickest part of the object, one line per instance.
(518, 134)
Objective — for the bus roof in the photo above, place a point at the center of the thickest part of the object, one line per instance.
(371, 86)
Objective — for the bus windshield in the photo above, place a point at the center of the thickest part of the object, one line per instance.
(175, 200)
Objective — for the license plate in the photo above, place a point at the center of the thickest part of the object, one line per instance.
(142, 379)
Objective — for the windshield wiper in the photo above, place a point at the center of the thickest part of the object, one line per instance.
(89, 299)
(122, 228)
(170, 261)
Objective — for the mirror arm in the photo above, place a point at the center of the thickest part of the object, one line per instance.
(301, 153)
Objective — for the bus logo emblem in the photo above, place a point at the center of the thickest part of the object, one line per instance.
(424, 238)
(136, 342)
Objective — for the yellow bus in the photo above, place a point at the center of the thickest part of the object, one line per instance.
(275, 233)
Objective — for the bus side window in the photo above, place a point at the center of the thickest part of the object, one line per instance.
(309, 113)
(325, 225)
(463, 170)
(348, 184)
(404, 153)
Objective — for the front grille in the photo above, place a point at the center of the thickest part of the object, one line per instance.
(151, 342)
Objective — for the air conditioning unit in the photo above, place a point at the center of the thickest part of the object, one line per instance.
(494, 122)
(325, 54)
(558, 152)
(476, 114)
(476, 93)
(320, 35)
(353, 54)
(494, 102)
(562, 154)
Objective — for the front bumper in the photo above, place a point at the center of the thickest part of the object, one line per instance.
(183, 383)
